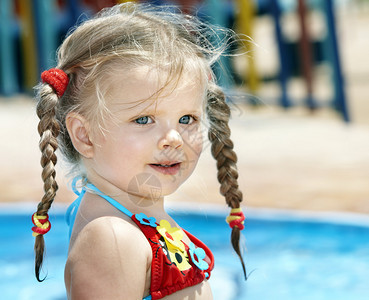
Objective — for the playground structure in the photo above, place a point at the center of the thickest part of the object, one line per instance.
(31, 30)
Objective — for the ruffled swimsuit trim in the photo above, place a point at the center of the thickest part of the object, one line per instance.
(175, 265)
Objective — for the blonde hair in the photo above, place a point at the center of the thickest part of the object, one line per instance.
(132, 35)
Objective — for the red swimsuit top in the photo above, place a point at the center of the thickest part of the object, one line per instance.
(174, 265)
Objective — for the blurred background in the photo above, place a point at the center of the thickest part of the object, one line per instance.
(297, 88)
(299, 99)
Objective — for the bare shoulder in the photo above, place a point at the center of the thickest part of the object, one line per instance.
(109, 259)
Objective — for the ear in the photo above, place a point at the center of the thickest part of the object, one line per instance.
(78, 129)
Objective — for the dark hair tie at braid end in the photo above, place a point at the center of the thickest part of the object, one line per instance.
(57, 79)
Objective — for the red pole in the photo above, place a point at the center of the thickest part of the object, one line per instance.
(306, 55)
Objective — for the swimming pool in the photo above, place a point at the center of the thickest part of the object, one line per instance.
(288, 256)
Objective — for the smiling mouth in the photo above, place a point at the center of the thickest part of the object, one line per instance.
(166, 168)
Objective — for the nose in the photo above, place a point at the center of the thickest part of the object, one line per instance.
(171, 139)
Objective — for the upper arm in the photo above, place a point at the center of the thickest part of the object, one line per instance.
(109, 260)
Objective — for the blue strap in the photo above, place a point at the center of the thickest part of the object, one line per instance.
(73, 208)
(113, 202)
(72, 211)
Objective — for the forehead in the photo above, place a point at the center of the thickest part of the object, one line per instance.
(143, 87)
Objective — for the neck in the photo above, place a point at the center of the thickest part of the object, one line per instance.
(148, 202)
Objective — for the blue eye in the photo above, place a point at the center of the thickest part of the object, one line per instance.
(144, 120)
(187, 119)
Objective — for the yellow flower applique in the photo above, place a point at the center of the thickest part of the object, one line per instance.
(172, 235)
(173, 240)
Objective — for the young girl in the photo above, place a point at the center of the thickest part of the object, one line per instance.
(126, 106)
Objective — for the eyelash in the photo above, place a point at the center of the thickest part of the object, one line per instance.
(194, 119)
(149, 117)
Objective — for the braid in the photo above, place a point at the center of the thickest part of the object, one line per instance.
(48, 128)
(222, 150)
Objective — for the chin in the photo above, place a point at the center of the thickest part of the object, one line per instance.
(169, 184)
(168, 190)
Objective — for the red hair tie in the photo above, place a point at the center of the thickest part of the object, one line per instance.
(42, 224)
(236, 218)
(57, 79)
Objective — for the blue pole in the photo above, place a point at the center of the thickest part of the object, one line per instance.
(217, 12)
(334, 59)
(282, 51)
(8, 66)
(46, 28)
(77, 11)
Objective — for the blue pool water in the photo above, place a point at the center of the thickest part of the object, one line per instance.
(288, 257)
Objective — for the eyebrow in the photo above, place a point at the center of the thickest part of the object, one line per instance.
(136, 109)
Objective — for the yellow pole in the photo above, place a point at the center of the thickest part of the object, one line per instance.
(245, 19)
(124, 1)
(28, 45)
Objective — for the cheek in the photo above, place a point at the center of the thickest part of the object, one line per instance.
(125, 150)
(193, 142)
(135, 142)
(197, 145)
(195, 139)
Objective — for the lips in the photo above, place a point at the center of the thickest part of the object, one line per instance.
(167, 168)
